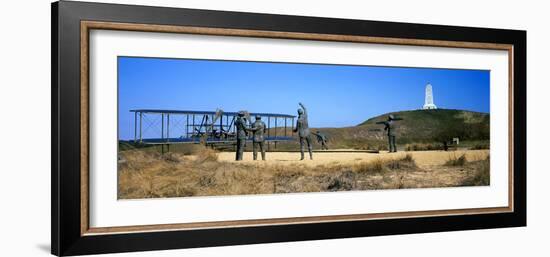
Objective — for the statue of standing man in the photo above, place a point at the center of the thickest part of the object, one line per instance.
(258, 127)
(389, 126)
(302, 128)
(240, 125)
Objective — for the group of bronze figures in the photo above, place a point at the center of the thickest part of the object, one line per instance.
(258, 128)
(258, 140)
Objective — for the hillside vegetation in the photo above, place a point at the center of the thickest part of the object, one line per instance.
(418, 126)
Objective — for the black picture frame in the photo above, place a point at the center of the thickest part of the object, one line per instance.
(66, 234)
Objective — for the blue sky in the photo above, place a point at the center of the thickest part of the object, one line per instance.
(335, 95)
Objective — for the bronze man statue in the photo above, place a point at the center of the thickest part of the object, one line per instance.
(258, 127)
(389, 126)
(321, 139)
(302, 128)
(240, 125)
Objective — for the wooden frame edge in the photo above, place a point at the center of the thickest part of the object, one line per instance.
(289, 221)
(84, 128)
(286, 35)
(86, 26)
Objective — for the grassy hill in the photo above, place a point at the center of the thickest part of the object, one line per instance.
(418, 126)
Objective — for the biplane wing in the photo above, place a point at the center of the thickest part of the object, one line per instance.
(186, 126)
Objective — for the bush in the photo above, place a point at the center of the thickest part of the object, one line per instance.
(378, 165)
(408, 158)
(480, 146)
(456, 161)
(406, 161)
(423, 147)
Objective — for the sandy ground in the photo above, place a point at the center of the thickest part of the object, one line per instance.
(424, 159)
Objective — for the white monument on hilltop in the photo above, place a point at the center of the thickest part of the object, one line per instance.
(429, 100)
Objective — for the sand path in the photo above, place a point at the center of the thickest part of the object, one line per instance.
(424, 159)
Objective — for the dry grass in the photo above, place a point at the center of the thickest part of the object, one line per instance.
(152, 175)
(206, 155)
(480, 173)
(375, 166)
(456, 160)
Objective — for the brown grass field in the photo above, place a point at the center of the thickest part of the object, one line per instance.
(146, 174)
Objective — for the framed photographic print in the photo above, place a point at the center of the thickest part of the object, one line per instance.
(178, 128)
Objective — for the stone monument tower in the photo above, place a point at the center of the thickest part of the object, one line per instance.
(429, 100)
